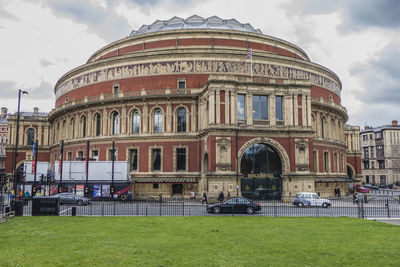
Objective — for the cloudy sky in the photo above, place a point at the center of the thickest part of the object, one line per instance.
(357, 39)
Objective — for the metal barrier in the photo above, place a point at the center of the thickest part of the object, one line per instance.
(378, 207)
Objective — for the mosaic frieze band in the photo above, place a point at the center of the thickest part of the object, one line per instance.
(195, 66)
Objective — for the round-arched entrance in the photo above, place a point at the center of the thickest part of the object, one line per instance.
(261, 169)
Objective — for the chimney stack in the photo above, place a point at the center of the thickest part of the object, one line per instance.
(394, 123)
(35, 110)
(3, 112)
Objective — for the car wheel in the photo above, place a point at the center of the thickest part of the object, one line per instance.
(250, 210)
(324, 205)
(300, 204)
(79, 202)
(217, 210)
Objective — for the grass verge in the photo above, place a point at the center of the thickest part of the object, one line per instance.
(197, 241)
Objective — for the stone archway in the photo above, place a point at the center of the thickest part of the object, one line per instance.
(262, 162)
(275, 145)
(350, 171)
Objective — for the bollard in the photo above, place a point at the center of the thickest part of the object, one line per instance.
(73, 211)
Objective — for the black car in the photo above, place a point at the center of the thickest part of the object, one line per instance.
(236, 204)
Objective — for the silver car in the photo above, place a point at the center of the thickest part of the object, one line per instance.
(71, 198)
(310, 199)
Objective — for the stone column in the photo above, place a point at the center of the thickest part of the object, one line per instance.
(304, 110)
(123, 120)
(249, 109)
(193, 117)
(211, 108)
(296, 109)
(145, 117)
(39, 135)
(218, 106)
(288, 110)
(105, 132)
(272, 110)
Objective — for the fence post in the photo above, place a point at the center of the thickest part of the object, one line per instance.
(387, 207)
(362, 210)
(160, 204)
(102, 208)
(114, 208)
(183, 207)
(146, 209)
(275, 209)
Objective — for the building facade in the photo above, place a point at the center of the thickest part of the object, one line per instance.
(191, 114)
(381, 154)
(3, 138)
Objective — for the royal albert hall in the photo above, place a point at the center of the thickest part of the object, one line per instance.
(206, 105)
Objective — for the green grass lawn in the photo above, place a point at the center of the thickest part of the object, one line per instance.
(197, 241)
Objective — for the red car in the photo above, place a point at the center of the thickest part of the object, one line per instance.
(362, 189)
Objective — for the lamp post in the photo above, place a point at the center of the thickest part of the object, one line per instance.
(16, 141)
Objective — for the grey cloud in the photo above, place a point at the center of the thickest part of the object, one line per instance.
(380, 77)
(45, 62)
(5, 15)
(8, 89)
(356, 14)
(44, 91)
(104, 22)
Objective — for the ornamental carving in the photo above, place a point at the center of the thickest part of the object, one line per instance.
(194, 66)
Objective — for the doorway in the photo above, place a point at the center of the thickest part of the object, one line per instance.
(177, 189)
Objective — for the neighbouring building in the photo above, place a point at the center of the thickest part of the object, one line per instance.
(191, 114)
(381, 154)
(3, 138)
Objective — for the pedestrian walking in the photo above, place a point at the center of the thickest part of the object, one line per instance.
(221, 196)
(335, 192)
(338, 192)
(204, 198)
(355, 198)
(229, 194)
(26, 194)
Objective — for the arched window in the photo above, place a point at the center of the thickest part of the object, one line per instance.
(72, 128)
(135, 121)
(323, 121)
(31, 136)
(158, 121)
(97, 120)
(83, 126)
(115, 123)
(181, 114)
(64, 130)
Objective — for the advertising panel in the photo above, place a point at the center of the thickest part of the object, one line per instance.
(97, 190)
(105, 190)
(80, 190)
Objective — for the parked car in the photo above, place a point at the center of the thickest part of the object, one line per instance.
(236, 204)
(375, 187)
(310, 199)
(362, 189)
(71, 198)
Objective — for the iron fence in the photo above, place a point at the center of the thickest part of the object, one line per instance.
(366, 208)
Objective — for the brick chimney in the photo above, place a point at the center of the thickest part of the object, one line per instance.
(394, 123)
(3, 112)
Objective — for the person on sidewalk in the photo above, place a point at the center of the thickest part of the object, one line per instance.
(204, 198)
(355, 198)
(221, 196)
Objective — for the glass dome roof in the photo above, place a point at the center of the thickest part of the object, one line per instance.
(195, 22)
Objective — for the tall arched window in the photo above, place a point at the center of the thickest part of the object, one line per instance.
(158, 121)
(83, 126)
(31, 136)
(72, 128)
(323, 121)
(64, 130)
(115, 123)
(97, 120)
(135, 121)
(181, 114)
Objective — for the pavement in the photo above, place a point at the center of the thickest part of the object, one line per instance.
(394, 221)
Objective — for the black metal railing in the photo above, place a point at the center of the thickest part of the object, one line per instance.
(366, 207)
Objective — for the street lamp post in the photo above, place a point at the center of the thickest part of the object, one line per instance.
(16, 140)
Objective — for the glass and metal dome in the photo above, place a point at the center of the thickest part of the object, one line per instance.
(195, 22)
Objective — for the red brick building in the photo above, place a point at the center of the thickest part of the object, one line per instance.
(190, 115)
